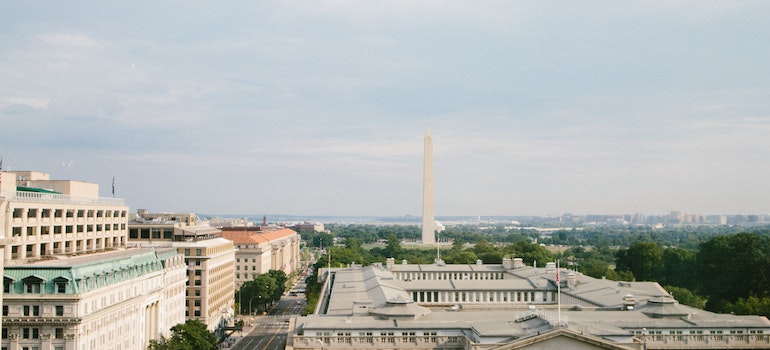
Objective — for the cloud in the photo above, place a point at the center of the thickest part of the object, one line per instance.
(68, 40)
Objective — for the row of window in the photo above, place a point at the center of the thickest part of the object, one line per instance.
(34, 333)
(27, 213)
(386, 337)
(34, 310)
(408, 276)
(151, 233)
(475, 296)
(59, 229)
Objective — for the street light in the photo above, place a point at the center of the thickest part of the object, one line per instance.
(252, 299)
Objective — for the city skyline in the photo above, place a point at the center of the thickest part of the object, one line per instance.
(319, 108)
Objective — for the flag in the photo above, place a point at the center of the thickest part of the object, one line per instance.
(113, 186)
(558, 280)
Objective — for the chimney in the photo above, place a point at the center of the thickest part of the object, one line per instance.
(518, 263)
(389, 262)
(571, 280)
(507, 263)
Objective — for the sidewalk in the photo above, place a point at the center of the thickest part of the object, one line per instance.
(237, 336)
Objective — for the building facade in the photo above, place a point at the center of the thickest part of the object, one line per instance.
(209, 258)
(262, 251)
(113, 300)
(70, 282)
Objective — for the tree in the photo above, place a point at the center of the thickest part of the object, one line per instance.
(643, 259)
(751, 306)
(732, 267)
(529, 252)
(678, 268)
(394, 249)
(686, 297)
(191, 335)
(280, 284)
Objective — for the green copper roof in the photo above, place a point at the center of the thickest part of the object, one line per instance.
(86, 273)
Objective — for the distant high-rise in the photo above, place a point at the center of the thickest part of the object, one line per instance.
(428, 220)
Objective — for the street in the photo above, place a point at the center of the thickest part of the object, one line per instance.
(269, 331)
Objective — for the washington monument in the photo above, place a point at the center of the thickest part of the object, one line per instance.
(428, 220)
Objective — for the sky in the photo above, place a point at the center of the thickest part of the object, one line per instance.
(320, 107)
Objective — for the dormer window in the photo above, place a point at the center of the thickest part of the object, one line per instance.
(7, 285)
(33, 284)
(60, 284)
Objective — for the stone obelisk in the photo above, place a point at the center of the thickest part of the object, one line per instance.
(428, 219)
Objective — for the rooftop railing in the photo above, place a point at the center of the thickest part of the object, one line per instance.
(25, 196)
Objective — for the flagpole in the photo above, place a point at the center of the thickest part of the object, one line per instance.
(558, 292)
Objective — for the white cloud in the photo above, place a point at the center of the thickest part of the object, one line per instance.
(68, 40)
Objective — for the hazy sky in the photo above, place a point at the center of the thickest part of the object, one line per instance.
(320, 107)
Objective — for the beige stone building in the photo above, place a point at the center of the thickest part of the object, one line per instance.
(262, 251)
(209, 258)
(69, 281)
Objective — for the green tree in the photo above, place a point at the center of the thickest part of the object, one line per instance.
(280, 279)
(394, 248)
(191, 335)
(529, 252)
(686, 297)
(751, 305)
(643, 259)
(678, 268)
(462, 257)
(595, 268)
(732, 267)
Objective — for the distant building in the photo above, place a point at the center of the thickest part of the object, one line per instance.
(261, 251)
(209, 259)
(309, 226)
(508, 306)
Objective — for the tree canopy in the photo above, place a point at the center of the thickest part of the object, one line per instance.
(191, 335)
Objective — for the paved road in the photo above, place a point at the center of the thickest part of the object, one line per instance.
(269, 332)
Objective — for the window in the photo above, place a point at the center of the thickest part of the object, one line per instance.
(59, 310)
(198, 252)
(5, 333)
(33, 310)
(30, 333)
(17, 212)
(5, 310)
(59, 333)
(32, 287)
